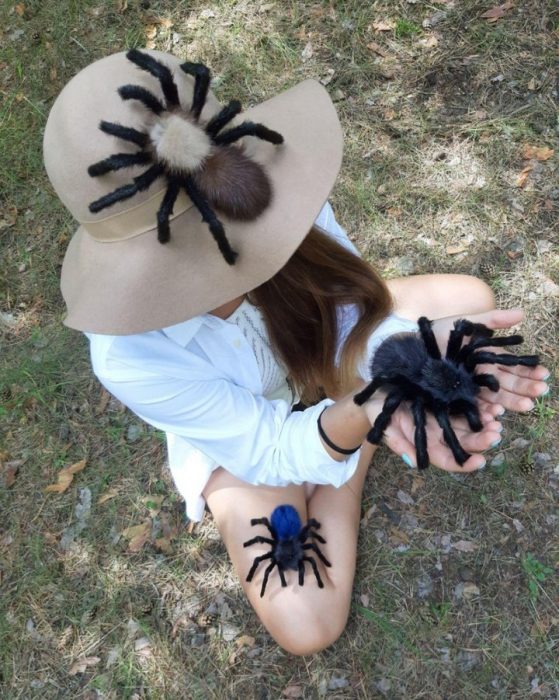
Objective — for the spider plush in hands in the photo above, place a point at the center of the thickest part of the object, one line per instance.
(288, 545)
(414, 370)
(198, 158)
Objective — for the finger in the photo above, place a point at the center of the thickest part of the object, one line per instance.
(510, 401)
(539, 373)
(489, 437)
(522, 386)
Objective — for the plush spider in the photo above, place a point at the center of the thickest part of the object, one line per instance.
(289, 544)
(412, 368)
(198, 158)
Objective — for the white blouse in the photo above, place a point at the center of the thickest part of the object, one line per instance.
(210, 385)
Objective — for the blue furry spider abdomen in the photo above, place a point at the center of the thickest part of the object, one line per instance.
(289, 546)
(412, 368)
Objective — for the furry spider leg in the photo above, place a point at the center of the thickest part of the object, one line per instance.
(315, 571)
(316, 550)
(118, 161)
(259, 539)
(255, 564)
(265, 522)
(267, 576)
(136, 92)
(159, 71)
(166, 210)
(223, 117)
(463, 328)
(487, 380)
(458, 452)
(282, 577)
(391, 403)
(470, 410)
(420, 435)
(306, 531)
(505, 359)
(426, 330)
(488, 343)
(208, 215)
(126, 133)
(368, 391)
(140, 183)
(248, 129)
(201, 86)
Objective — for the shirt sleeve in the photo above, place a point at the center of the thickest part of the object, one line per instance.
(260, 441)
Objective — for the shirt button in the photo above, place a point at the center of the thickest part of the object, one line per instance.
(237, 343)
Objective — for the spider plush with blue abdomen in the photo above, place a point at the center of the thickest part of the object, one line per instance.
(289, 545)
(413, 369)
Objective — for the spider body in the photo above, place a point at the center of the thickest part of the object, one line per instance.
(412, 368)
(193, 156)
(289, 546)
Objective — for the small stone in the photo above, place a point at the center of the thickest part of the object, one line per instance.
(198, 640)
(384, 685)
(229, 631)
(424, 586)
(466, 590)
(404, 497)
(520, 443)
(133, 433)
(541, 459)
(435, 19)
(498, 460)
(467, 660)
(337, 683)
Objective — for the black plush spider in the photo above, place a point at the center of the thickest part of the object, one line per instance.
(289, 544)
(412, 367)
(198, 159)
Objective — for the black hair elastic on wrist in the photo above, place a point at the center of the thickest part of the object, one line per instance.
(329, 442)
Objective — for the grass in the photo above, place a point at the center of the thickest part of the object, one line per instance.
(434, 139)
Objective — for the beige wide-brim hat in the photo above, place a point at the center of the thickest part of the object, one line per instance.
(117, 278)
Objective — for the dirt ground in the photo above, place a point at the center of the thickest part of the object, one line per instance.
(449, 111)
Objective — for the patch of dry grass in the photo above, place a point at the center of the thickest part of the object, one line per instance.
(436, 119)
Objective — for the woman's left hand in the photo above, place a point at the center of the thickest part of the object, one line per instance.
(519, 385)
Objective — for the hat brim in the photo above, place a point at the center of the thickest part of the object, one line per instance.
(138, 284)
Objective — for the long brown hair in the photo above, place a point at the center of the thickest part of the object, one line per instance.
(299, 306)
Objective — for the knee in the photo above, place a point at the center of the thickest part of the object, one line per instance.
(309, 631)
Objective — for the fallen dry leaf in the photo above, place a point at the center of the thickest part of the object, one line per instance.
(307, 52)
(470, 590)
(137, 535)
(523, 176)
(377, 48)
(537, 152)
(245, 641)
(293, 692)
(104, 497)
(20, 9)
(495, 13)
(121, 6)
(455, 249)
(150, 31)
(164, 545)
(383, 25)
(65, 477)
(465, 546)
(80, 665)
(429, 42)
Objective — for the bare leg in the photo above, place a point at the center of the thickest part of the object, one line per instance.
(294, 616)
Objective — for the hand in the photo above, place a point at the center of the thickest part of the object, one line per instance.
(399, 436)
(519, 385)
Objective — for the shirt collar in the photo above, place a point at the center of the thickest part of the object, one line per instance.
(182, 333)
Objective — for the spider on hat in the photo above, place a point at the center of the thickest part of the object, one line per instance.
(198, 158)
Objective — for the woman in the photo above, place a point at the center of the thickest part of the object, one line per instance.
(217, 289)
